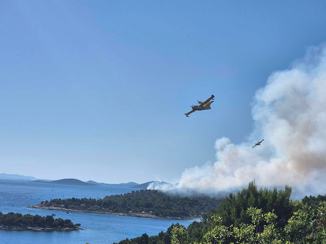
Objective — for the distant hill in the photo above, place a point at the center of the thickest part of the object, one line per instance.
(71, 181)
(134, 185)
(151, 185)
(92, 182)
(4, 176)
(128, 184)
(66, 182)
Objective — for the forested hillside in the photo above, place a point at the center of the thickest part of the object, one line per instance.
(146, 203)
(252, 216)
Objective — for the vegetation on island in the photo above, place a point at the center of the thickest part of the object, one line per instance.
(258, 216)
(146, 203)
(17, 221)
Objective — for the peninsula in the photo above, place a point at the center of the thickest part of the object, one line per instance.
(143, 203)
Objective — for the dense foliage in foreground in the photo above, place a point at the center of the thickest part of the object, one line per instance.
(145, 202)
(252, 216)
(16, 221)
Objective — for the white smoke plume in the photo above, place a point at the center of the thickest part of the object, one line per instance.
(290, 114)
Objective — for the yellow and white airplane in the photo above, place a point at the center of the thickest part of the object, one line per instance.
(206, 105)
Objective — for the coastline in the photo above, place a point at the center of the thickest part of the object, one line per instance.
(131, 214)
(37, 229)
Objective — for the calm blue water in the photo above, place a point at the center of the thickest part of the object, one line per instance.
(17, 196)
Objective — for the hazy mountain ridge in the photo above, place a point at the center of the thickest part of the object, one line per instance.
(5, 176)
(67, 181)
(72, 181)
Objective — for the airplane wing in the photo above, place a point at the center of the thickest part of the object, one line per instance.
(209, 99)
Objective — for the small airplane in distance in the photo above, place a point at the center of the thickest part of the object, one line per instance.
(258, 143)
(206, 105)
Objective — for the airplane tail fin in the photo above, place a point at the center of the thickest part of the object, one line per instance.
(188, 113)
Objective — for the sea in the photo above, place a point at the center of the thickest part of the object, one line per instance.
(19, 196)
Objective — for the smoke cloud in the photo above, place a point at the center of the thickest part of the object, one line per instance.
(290, 114)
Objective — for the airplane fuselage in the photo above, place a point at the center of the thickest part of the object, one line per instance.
(204, 106)
(199, 108)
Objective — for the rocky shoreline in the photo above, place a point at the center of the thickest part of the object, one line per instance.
(37, 229)
(132, 214)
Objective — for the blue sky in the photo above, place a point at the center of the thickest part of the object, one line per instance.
(98, 89)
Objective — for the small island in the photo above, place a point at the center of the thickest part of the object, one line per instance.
(143, 203)
(28, 222)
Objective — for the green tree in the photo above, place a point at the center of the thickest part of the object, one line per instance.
(308, 224)
(179, 235)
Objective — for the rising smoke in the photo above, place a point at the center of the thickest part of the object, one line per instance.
(290, 114)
